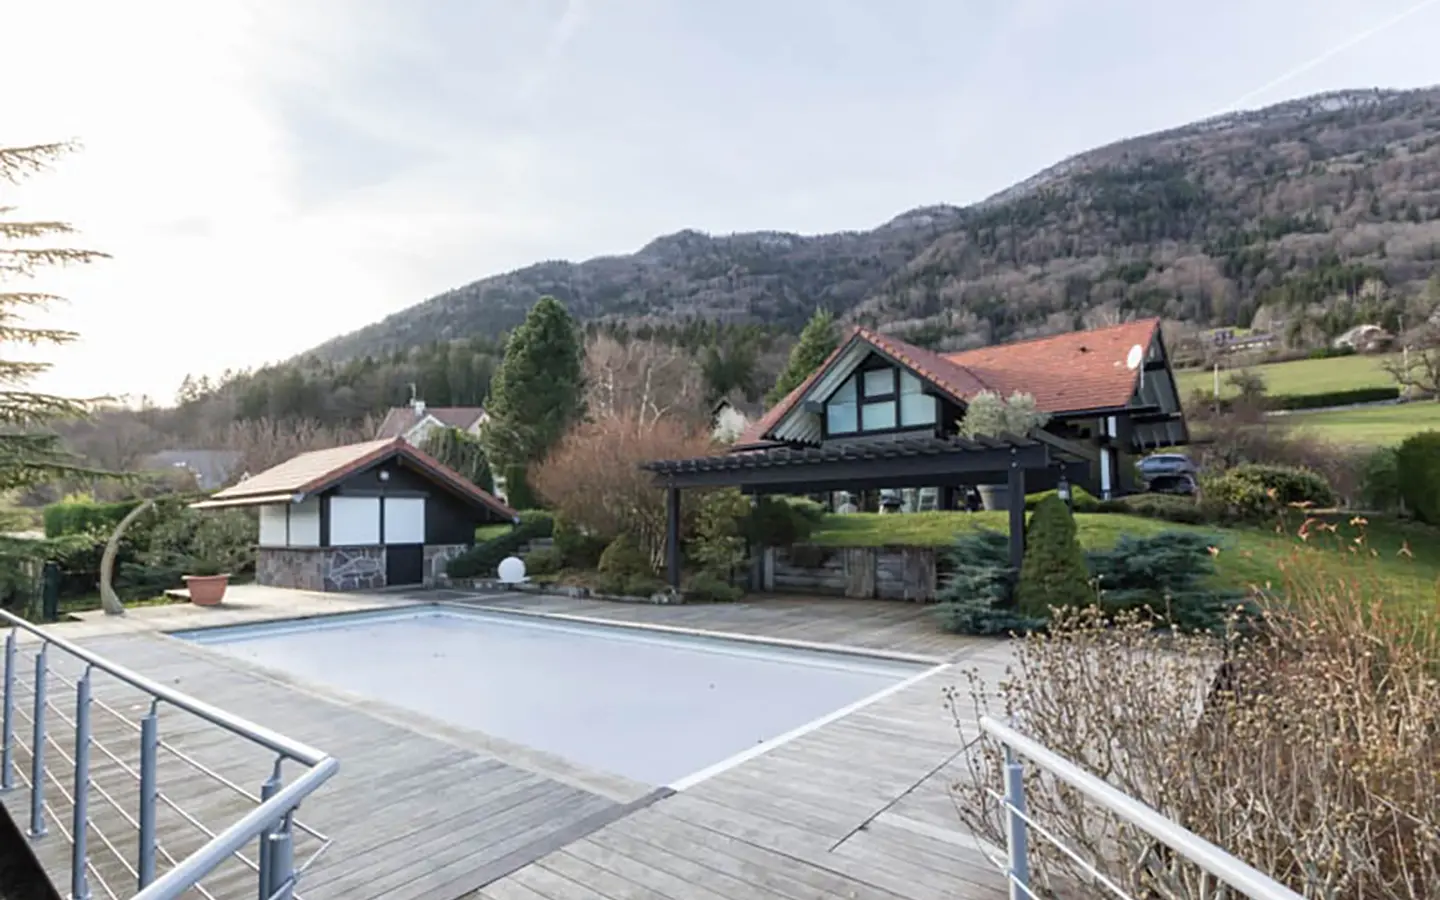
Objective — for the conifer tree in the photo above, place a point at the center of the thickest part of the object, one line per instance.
(29, 453)
(1054, 571)
(538, 390)
(817, 341)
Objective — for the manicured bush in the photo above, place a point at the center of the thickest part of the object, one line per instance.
(1081, 500)
(781, 522)
(481, 560)
(1380, 479)
(1418, 469)
(623, 557)
(1053, 572)
(85, 516)
(1252, 492)
(1169, 573)
(707, 587)
(545, 561)
(577, 548)
(979, 598)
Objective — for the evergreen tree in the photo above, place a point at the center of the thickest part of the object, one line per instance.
(817, 341)
(1054, 571)
(461, 452)
(538, 391)
(29, 453)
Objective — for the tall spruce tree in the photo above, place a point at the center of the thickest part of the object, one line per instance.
(29, 452)
(817, 341)
(538, 390)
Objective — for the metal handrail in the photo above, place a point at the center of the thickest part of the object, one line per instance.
(272, 821)
(228, 842)
(271, 740)
(1224, 866)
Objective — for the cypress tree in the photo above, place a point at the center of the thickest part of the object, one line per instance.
(1053, 572)
(538, 389)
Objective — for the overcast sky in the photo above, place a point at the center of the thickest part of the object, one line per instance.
(270, 173)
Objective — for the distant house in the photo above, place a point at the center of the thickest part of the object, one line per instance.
(211, 468)
(730, 417)
(414, 423)
(1364, 339)
(363, 516)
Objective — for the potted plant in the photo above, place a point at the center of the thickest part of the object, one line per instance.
(991, 415)
(206, 582)
(203, 550)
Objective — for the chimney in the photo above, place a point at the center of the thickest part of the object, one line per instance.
(419, 406)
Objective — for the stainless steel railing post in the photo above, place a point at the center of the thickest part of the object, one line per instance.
(149, 794)
(1017, 840)
(7, 749)
(37, 750)
(80, 823)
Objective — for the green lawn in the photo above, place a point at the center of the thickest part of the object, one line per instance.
(1299, 377)
(1247, 556)
(1371, 425)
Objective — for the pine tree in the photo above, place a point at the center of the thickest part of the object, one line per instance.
(538, 391)
(461, 452)
(1054, 571)
(29, 454)
(817, 341)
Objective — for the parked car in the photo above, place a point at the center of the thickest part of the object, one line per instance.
(1168, 473)
(1182, 483)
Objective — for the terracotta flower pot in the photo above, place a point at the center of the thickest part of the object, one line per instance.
(206, 590)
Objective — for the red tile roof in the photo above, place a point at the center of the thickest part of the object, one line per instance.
(1065, 373)
(320, 469)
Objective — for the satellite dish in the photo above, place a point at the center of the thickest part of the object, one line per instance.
(1134, 357)
(511, 570)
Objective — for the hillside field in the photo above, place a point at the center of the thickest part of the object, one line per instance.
(1380, 425)
(1297, 378)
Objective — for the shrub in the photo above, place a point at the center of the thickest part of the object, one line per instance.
(643, 584)
(980, 596)
(990, 414)
(1336, 398)
(594, 480)
(623, 557)
(577, 549)
(545, 561)
(781, 521)
(192, 542)
(1053, 572)
(1169, 573)
(1417, 465)
(481, 560)
(719, 545)
(1169, 507)
(1252, 492)
(1380, 479)
(1081, 500)
(707, 587)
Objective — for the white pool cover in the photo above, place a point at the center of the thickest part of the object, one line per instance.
(650, 706)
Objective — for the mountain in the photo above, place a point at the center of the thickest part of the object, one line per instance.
(1309, 215)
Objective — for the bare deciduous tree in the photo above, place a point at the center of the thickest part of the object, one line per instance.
(643, 379)
(263, 443)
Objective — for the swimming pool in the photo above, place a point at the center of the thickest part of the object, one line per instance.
(652, 706)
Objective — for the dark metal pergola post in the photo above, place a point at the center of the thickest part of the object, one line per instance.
(1017, 515)
(672, 536)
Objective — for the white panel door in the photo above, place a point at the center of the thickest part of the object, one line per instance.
(305, 523)
(404, 520)
(354, 521)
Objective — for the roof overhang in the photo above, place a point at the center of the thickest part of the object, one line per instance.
(253, 500)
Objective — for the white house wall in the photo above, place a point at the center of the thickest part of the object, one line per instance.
(354, 521)
(272, 525)
(305, 523)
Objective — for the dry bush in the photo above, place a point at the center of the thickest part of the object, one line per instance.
(594, 481)
(1307, 746)
(1244, 434)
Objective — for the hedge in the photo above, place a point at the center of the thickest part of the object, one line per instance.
(1417, 465)
(1336, 398)
(85, 517)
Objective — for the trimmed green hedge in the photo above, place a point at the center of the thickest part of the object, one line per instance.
(1335, 398)
(481, 560)
(85, 517)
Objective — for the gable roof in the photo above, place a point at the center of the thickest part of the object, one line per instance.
(212, 468)
(400, 419)
(1066, 373)
(310, 473)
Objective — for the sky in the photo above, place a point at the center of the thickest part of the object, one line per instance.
(267, 174)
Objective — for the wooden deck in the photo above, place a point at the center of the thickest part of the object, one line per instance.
(858, 808)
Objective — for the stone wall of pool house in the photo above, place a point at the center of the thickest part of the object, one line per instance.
(343, 568)
(866, 573)
(437, 557)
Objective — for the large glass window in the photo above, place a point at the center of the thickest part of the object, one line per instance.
(916, 408)
(879, 382)
(842, 412)
(879, 416)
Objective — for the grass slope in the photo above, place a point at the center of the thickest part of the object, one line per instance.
(1247, 556)
(1371, 425)
(1297, 378)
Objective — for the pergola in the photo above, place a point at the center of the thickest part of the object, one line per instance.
(1036, 461)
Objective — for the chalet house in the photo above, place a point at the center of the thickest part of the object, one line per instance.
(880, 413)
(415, 422)
(363, 516)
